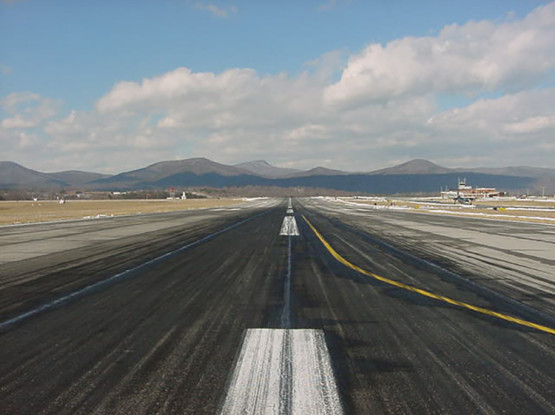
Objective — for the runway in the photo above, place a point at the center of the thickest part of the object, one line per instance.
(219, 310)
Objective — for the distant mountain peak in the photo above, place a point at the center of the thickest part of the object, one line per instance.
(254, 163)
(165, 169)
(415, 166)
(13, 176)
(318, 171)
(412, 176)
(265, 169)
(420, 162)
(324, 171)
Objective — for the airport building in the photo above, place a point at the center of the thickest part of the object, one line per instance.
(465, 191)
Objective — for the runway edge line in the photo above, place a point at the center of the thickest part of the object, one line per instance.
(100, 284)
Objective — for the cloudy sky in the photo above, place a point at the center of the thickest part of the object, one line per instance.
(357, 85)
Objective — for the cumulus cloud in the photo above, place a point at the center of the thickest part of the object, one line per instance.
(469, 58)
(382, 110)
(234, 98)
(12, 101)
(511, 129)
(178, 85)
(27, 110)
(503, 118)
(531, 125)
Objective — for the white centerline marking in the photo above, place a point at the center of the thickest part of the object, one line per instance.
(289, 211)
(286, 312)
(283, 372)
(289, 226)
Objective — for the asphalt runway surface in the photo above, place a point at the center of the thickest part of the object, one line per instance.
(213, 311)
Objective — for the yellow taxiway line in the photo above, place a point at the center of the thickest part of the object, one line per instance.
(425, 293)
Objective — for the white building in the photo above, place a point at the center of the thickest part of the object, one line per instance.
(468, 192)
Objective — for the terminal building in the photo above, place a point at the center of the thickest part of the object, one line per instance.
(470, 193)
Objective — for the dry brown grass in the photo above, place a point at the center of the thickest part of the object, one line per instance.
(26, 212)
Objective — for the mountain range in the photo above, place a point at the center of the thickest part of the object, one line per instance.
(411, 177)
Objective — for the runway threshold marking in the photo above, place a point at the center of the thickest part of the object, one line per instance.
(425, 293)
(100, 284)
(283, 371)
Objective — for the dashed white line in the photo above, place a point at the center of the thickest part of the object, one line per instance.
(286, 312)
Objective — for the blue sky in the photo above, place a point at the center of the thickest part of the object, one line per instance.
(63, 65)
(51, 46)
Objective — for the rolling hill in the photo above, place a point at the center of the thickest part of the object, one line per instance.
(415, 176)
(149, 176)
(417, 166)
(15, 176)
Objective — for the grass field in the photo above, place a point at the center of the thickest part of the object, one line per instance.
(25, 211)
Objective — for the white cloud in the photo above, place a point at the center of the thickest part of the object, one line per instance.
(27, 110)
(512, 129)
(106, 142)
(234, 98)
(525, 112)
(531, 125)
(382, 111)
(13, 100)
(180, 84)
(216, 11)
(308, 131)
(471, 58)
